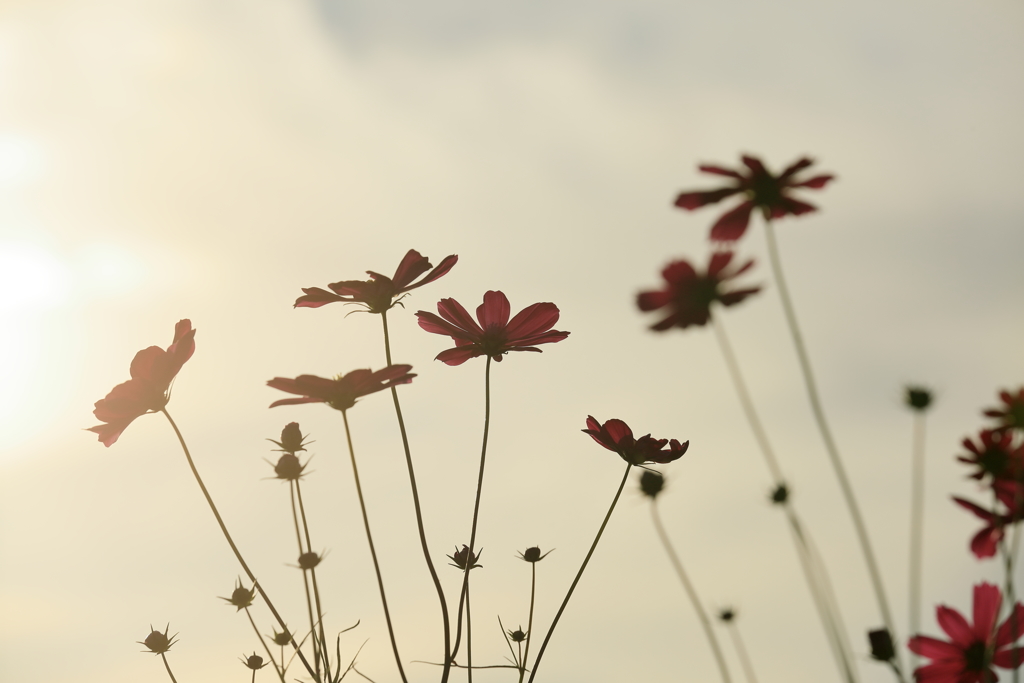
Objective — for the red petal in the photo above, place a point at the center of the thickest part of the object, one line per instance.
(295, 401)
(108, 433)
(442, 268)
(1012, 628)
(986, 542)
(1009, 659)
(792, 207)
(542, 338)
(678, 271)
(933, 648)
(452, 310)
(815, 183)
(795, 167)
(946, 672)
(695, 200)
(987, 600)
(618, 430)
(732, 225)
(353, 289)
(434, 324)
(458, 355)
(412, 266)
(532, 320)
(315, 298)
(755, 165)
(145, 362)
(955, 626)
(976, 509)
(650, 301)
(718, 262)
(494, 311)
(718, 170)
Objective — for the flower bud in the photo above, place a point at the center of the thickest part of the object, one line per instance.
(517, 636)
(463, 559)
(882, 647)
(780, 495)
(241, 597)
(288, 467)
(254, 661)
(533, 554)
(917, 398)
(158, 643)
(309, 560)
(652, 483)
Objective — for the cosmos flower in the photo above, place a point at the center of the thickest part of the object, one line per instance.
(341, 392)
(615, 435)
(761, 190)
(1011, 413)
(496, 334)
(688, 294)
(152, 371)
(986, 542)
(972, 649)
(995, 456)
(380, 292)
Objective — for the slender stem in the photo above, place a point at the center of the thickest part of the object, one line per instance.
(469, 640)
(373, 552)
(419, 514)
(741, 650)
(691, 593)
(826, 435)
(167, 666)
(305, 582)
(231, 542)
(916, 526)
(558, 615)
(458, 621)
(529, 624)
(324, 645)
(1009, 558)
(263, 642)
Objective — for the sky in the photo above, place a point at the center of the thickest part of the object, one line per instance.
(207, 160)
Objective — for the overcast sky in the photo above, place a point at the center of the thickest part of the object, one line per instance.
(206, 160)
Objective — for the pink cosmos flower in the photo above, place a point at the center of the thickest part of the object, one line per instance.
(152, 370)
(762, 190)
(615, 435)
(688, 294)
(380, 292)
(1011, 496)
(341, 392)
(496, 334)
(1011, 413)
(972, 649)
(996, 456)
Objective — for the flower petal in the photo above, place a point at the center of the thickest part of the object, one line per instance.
(933, 648)
(795, 167)
(955, 626)
(442, 268)
(650, 301)
(412, 266)
(697, 199)
(815, 183)
(459, 355)
(1012, 628)
(452, 310)
(718, 170)
(987, 600)
(1009, 659)
(532, 320)
(731, 226)
(315, 297)
(494, 311)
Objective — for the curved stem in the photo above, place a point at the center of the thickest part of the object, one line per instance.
(231, 542)
(167, 666)
(419, 515)
(916, 526)
(558, 615)
(373, 551)
(529, 624)
(691, 593)
(263, 642)
(826, 435)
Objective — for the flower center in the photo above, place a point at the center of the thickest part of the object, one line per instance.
(974, 657)
(494, 340)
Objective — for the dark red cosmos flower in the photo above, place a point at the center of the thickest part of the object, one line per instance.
(496, 334)
(148, 390)
(996, 456)
(762, 190)
(615, 435)
(378, 293)
(689, 294)
(341, 392)
(1011, 413)
(971, 651)
(1011, 496)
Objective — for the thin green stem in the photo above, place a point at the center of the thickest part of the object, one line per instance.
(263, 642)
(231, 542)
(373, 551)
(741, 650)
(916, 526)
(469, 640)
(691, 593)
(826, 435)
(324, 645)
(163, 656)
(529, 624)
(593, 547)
(305, 581)
(419, 515)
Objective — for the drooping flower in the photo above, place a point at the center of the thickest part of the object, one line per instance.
(159, 643)
(615, 435)
(968, 656)
(380, 292)
(1011, 413)
(495, 334)
(341, 392)
(986, 541)
(152, 371)
(996, 456)
(688, 294)
(761, 189)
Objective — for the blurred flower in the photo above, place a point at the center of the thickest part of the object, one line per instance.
(882, 647)
(533, 554)
(463, 557)
(986, 542)
(289, 468)
(379, 293)
(496, 334)
(726, 614)
(517, 636)
(241, 597)
(688, 294)
(148, 390)
(254, 661)
(917, 398)
(780, 494)
(309, 560)
(972, 649)
(282, 638)
(652, 483)
(292, 440)
(341, 392)
(1011, 413)
(158, 643)
(995, 455)
(761, 190)
(615, 435)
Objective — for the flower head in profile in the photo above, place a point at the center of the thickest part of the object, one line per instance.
(972, 649)
(615, 435)
(282, 638)
(533, 554)
(241, 597)
(495, 334)
(996, 456)
(152, 371)
(159, 643)
(341, 392)
(380, 292)
(1011, 414)
(688, 294)
(1011, 497)
(761, 190)
(464, 559)
(253, 661)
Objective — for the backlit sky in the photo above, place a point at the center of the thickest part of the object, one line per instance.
(164, 160)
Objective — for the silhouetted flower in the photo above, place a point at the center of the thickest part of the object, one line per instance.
(986, 542)
(533, 554)
(918, 398)
(282, 638)
(726, 614)
(463, 557)
(652, 483)
(496, 334)
(380, 292)
(341, 392)
(761, 190)
(288, 467)
(973, 648)
(152, 370)
(292, 439)
(241, 597)
(688, 294)
(309, 560)
(1011, 413)
(254, 661)
(882, 647)
(780, 494)
(615, 435)
(995, 456)
(158, 643)
(517, 636)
